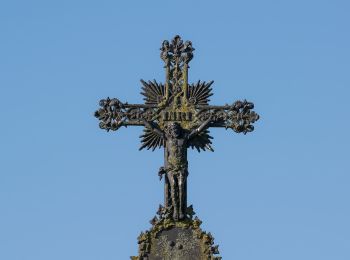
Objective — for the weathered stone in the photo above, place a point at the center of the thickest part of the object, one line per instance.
(176, 244)
(170, 239)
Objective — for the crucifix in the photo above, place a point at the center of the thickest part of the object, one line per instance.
(176, 115)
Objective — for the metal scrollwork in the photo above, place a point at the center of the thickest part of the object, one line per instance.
(111, 114)
(239, 116)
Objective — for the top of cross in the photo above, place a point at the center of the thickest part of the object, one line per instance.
(176, 101)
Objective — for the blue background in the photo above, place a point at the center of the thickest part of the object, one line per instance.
(69, 190)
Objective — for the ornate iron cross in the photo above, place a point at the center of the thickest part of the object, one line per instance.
(176, 115)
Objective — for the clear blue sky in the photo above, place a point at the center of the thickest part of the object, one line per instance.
(71, 191)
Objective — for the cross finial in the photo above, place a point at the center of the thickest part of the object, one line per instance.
(176, 56)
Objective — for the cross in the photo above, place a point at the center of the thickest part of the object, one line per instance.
(176, 116)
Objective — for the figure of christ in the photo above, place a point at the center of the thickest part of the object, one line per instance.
(176, 165)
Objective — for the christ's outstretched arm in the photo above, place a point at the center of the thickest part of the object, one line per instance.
(153, 128)
(200, 128)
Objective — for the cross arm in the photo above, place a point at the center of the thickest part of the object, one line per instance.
(113, 114)
(238, 116)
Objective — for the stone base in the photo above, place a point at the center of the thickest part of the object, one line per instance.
(176, 243)
(176, 240)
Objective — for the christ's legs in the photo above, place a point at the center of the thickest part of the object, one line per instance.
(167, 192)
(182, 194)
(173, 193)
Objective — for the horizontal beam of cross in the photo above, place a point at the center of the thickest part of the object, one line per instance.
(113, 114)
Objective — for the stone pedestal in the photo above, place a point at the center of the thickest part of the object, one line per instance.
(176, 240)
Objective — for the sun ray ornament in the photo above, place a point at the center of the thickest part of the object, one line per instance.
(176, 116)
